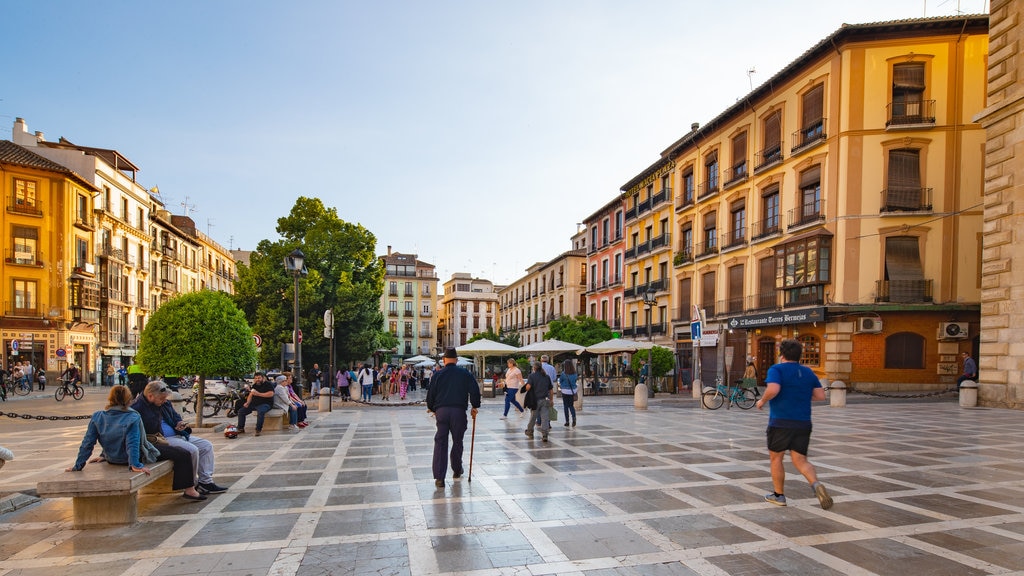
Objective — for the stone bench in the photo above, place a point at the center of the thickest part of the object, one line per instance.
(276, 419)
(105, 495)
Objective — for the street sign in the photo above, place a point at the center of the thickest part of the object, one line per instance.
(696, 332)
(14, 346)
(259, 341)
(300, 336)
(60, 352)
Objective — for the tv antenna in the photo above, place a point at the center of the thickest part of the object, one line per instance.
(186, 207)
(209, 224)
(750, 77)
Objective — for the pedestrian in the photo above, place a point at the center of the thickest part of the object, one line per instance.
(452, 390)
(970, 371)
(403, 382)
(567, 386)
(108, 379)
(790, 388)
(122, 376)
(315, 374)
(342, 382)
(513, 382)
(543, 393)
(365, 378)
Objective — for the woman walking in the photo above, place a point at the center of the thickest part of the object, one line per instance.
(513, 381)
(403, 382)
(567, 386)
(365, 378)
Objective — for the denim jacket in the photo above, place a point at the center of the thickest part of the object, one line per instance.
(119, 432)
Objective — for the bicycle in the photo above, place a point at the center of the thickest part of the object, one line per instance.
(713, 399)
(69, 388)
(20, 386)
(212, 403)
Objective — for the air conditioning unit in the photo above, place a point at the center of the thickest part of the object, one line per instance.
(953, 331)
(869, 325)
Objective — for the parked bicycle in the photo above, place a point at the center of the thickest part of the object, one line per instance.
(213, 402)
(742, 397)
(69, 388)
(20, 386)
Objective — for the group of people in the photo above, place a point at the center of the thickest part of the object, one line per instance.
(542, 382)
(140, 430)
(266, 395)
(388, 380)
(115, 375)
(23, 374)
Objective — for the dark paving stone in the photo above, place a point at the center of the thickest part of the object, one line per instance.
(598, 540)
(662, 569)
(980, 544)
(364, 521)
(863, 485)
(922, 478)
(640, 501)
(558, 508)
(254, 501)
(723, 495)
(286, 480)
(367, 476)
(950, 505)
(350, 495)
(700, 530)
(483, 550)
(383, 558)
(454, 514)
(235, 530)
(882, 556)
(577, 465)
(793, 522)
(769, 562)
(247, 562)
(143, 536)
(879, 514)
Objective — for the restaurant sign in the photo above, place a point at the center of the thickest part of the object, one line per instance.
(785, 317)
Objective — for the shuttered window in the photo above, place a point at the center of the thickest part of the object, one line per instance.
(708, 293)
(903, 180)
(772, 134)
(813, 107)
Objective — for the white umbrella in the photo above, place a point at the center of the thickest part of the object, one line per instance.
(485, 347)
(617, 345)
(425, 364)
(417, 359)
(463, 362)
(552, 346)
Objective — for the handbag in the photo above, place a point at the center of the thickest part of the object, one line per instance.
(156, 439)
(530, 399)
(553, 413)
(521, 396)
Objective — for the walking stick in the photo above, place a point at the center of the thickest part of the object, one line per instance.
(472, 443)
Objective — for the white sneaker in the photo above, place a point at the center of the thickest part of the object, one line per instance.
(293, 427)
(503, 418)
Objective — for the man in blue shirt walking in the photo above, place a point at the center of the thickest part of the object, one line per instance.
(791, 387)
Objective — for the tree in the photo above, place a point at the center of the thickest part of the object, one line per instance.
(344, 275)
(201, 333)
(510, 338)
(582, 330)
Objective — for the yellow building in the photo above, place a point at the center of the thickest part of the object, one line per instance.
(838, 203)
(49, 280)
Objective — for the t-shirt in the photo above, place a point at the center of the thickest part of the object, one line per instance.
(791, 407)
(264, 386)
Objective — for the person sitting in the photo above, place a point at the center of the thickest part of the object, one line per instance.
(283, 401)
(260, 400)
(118, 429)
(300, 405)
(159, 416)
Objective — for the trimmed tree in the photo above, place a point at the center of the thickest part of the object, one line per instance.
(200, 333)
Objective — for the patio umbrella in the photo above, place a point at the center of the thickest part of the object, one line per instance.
(617, 345)
(425, 364)
(417, 359)
(552, 346)
(485, 347)
(463, 362)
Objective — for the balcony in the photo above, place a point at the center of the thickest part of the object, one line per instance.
(903, 291)
(684, 256)
(809, 136)
(24, 258)
(737, 174)
(900, 199)
(109, 252)
(85, 221)
(770, 156)
(426, 314)
(638, 290)
(685, 201)
(910, 114)
(21, 310)
(22, 206)
(407, 334)
(709, 188)
(763, 301)
(807, 215)
(764, 228)
(110, 294)
(393, 313)
(734, 238)
(426, 334)
(662, 195)
(706, 249)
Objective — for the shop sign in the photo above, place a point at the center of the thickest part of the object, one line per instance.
(783, 318)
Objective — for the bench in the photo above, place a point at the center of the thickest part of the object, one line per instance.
(276, 419)
(105, 495)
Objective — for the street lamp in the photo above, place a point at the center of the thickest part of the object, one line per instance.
(295, 263)
(650, 299)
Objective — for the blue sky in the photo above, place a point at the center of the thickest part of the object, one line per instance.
(474, 134)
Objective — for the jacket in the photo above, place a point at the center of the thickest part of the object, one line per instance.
(453, 386)
(152, 416)
(119, 432)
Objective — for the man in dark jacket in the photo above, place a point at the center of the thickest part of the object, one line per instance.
(451, 391)
(159, 416)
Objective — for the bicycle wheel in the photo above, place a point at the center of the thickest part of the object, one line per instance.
(60, 393)
(210, 407)
(745, 399)
(22, 389)
(78, 392)
(712, 400)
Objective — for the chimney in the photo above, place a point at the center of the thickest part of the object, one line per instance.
(20, 134)
(389, 250)
(694, 126)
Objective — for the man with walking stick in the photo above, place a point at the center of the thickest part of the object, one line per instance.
(452, 390)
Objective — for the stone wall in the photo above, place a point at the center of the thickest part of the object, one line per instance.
(1001, 362)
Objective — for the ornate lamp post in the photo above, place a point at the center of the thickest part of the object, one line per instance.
(295, 263)
(642, 389)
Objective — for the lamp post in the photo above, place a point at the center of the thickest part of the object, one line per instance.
(295, 263)
(642, 388)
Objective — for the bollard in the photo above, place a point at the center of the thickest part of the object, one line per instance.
(697, 388)
(324, 402)
(837, 394)
(968, 394)
(640, 397)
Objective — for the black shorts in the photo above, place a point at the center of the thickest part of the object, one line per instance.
(793, 439)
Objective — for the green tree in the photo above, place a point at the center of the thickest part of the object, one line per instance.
(201, 333)
(582, 330)
(510, 338)
(344, 275)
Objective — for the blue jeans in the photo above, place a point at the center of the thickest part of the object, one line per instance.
(510, 399)
(569, 407)
(261, 413)
(367, 392)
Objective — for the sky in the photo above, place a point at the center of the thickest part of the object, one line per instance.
(474, 134)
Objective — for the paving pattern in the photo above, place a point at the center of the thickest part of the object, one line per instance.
(920, 489)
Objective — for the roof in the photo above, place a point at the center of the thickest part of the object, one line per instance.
(112, 157)
(13, 154)
(906, 28)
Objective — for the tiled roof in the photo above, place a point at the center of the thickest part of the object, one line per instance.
(11, 153)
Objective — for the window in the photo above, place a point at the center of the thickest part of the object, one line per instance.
(83, 208)
(711, 173)
(710, 233)
(81, 252)
(904, 350)
(736, 288)
(393, 327)
(687, 241)
(425, 310)
(25, 196)
(812, 350)
(685, 297)
(908, 105)
(688, 187)
(803, 268)
(738, 224)
(770, 209)
(618, 225)
(618, 268)
(593, 237)
(25, 242)
(739, 158)
(708, 293)
(593, 277)
(408, 308)
(772, 130)
(25, 302)
(903, 181)
(904, 275)
(392, 308)
(810, 196)
(408, 290)
(766, 294)
(604, 232)
(392, 288)
(664, 183)
(812, 124)
(604, 273)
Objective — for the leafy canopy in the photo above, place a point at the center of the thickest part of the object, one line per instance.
(200, 333)
(582, 330)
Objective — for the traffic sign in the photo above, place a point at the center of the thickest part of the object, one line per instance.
(60, 352)
(696, 332)
(259, 341)
(300, 336)
(14, 346)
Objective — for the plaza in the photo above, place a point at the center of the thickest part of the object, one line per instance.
(920, 487)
